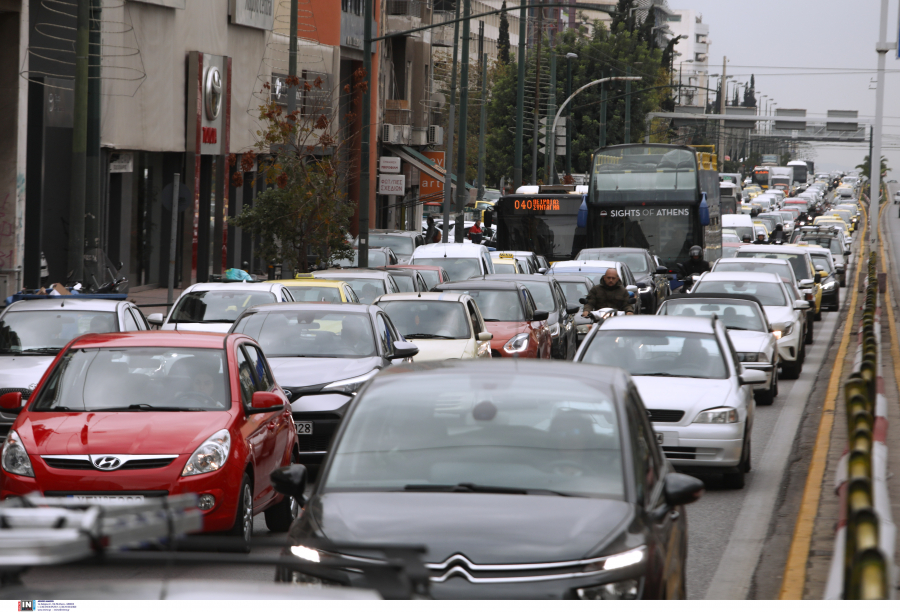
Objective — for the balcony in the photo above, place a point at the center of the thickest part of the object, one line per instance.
(442, 36)
(401, 15)
(397, 112)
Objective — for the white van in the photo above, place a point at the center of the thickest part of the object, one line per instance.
(461, 261)
(766, 202)
(778, 193)
(741, 224)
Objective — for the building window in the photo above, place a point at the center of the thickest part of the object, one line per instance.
(352, 6)
(674, 18)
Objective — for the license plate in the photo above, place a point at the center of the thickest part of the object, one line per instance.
(659, 439)
(109, 499)
(304, 428)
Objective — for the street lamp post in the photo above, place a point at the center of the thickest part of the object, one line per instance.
(569, 58)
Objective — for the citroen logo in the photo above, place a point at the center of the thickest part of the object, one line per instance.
(107, 463)
(212, 93)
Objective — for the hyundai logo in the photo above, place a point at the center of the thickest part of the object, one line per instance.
(107, 463)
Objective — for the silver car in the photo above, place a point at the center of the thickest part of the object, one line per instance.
(785, 313)
(696, 392)
(745, 319)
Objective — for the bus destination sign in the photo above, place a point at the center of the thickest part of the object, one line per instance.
(646, 212)
(537, 204)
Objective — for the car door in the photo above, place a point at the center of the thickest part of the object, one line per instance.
(482, 347)
(129, 323)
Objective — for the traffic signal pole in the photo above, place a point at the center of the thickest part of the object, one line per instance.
(520, 101)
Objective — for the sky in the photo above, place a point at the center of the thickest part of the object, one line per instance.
(813, 54)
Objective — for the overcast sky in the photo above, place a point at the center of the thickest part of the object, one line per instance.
(812, 54)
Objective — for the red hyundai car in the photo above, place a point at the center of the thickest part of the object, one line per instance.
(125, 416)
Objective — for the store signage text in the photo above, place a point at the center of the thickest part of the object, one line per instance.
(209, 135)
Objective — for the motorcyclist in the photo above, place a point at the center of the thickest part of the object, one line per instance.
(610, 293)
(777, 235)
(696, 264)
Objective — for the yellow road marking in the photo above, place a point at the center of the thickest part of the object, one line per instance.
(795, 568)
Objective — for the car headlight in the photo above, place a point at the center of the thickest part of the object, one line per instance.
(583, 329)
(624, 589)
(209, 456)
(516, 344)
(829, 286)
(785, 331)
(14, 458)
(718, 416)
(350, 385)
(751, 356)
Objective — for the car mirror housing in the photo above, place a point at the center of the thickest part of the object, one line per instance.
(11, 402)
(582, 300)
(265, 401)
(680, 489)
(156, 318)
(540, 315)
(485, 336)
(662, 270)
(847, 252)
(572, 309)
(404, 350)
(290, 480)
(801, 305)
(542, 270)
(752, 377)
(632, 288)
(806, 283)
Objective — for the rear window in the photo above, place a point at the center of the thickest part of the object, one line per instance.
(496, 304)
(798, 262)
(458, 268)
(217, 306)
(769, 294)
(329, 295)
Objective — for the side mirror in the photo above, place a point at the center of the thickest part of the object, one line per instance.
(807, 283)
(662, 270)
(11, 402)
(632, 288)
(582, 300)
(542, 270)
(801, 305)
(680, 489)
(485, 336)
(752, 377)
(265, 401)
(822, 274)
(290, 480)
(540, 315)
(404, 350)
(847, 252)
(156, 318)
(642, 285)
(572, 309)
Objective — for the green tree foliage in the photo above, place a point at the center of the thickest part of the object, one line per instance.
(866, 166)
(750, 93)
(503, 37)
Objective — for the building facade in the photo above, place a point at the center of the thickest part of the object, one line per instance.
(691, 62)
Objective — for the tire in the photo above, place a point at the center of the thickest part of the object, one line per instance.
(767, 396)
(736, 480)
(280, 516)
(792, 369)
(808, 339)
(818, 315)
(243, 520)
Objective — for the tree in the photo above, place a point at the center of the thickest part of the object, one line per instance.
(866, 166)
(735, 101)
(306, 212)
(750, 94)
(503, 38)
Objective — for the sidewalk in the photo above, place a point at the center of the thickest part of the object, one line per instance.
(152, 296)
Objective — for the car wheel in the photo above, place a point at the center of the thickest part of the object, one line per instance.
(809, 332)
(843, 282)
(735, 480)
(818, 315)
(280, 516)
(243, 520)
(766, 397)
(791, 369)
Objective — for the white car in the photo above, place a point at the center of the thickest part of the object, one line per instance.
(748, 328)
(214, 307)
(443, 325)
(461, 261)
(785, 314)
(697, 396)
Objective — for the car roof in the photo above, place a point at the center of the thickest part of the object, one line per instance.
(401, 271)
(65, 304)
(756, 277)
(744, 260)
(521, 278)
(494, 285)
(428, 296)
(352, 273)
(180, 339)
(573, 278)
(242, 286)
(500, 368)
(592, 264)
(412, 267)
(449, 249)
(701, 325)
(614, 250)
(766, 248)
(318, 282)
(712, 296)
(282, 306)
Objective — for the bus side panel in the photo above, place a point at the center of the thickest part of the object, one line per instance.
(712, 233)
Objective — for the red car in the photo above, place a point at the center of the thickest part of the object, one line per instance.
(510, 314)
(150, 414)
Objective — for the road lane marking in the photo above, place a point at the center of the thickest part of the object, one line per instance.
(795, 569)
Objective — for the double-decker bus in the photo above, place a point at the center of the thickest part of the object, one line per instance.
(640, 195)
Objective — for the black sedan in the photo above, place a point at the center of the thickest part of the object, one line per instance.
(321, 354)
(652, 280)
(515, 490)
(549, 296)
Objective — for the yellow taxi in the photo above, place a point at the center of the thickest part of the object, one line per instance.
(832, 221)
(505, 263)
(306, 288)
(752, 191)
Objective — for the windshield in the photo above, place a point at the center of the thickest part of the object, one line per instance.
(399, 244)
(504, 268)
(457, 268)
(310, 333)
(769, 223)
(421, 319)
(542, 294)
(217, 306)
(432, 278)
(733, 314)
(47, 331)
(404, 283)
(781, 270)
(574, 291)
(830, 243)
(311, 293)
(658, 353)
(798, 262)
(743, 232)
(644, 173)
(788, 215)
(137, 379)
(823, 260)
(729, 251)
(491, 194)
(515, 433)
(376, 258)
(636, 262)
(366, 289)
(495, 304)
(768, 294)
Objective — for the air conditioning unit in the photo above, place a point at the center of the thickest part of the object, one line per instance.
(435, 135)
(387, 132)
(392, 134)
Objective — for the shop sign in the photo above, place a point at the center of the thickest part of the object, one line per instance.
(258, 14)
(389, 165)
(391, 184)
(121, 163)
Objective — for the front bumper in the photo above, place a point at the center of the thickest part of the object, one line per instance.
(702, 446)
(323, 412)
(789, 346)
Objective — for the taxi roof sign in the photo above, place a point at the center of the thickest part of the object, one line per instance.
(507, 256)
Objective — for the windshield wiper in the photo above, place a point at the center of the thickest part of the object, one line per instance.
(204, 321)
(149, 408)
(468, 487)
(492, 320)
(430, 336)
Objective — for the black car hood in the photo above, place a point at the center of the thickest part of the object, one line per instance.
(486, 528)
(310, 371)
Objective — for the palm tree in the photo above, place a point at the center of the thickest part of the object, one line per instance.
(865, 167)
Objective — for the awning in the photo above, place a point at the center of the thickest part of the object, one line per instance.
(421, 162)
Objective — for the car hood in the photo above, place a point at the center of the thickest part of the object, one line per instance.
(132, 433)
(749, 341)
(20, 372)
(504, 330)
(686, 394)
(484, 528)
(311, 371)
(779, 315)
(221, 328)
(434, 350)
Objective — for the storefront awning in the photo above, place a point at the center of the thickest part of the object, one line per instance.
(421, 162)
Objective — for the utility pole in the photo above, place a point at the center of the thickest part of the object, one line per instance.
(292, 59)
(461, 193)
(602, 112)
(366, 132)
(92, 189)
(875, 158)
(550, 157)
(722, 89)
(79, 142)
(539, 34)
(520, 101)
(448, 156)
(569, 58)
(627, 139)
(483, 118)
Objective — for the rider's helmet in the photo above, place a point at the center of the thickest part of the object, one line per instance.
(696, 252)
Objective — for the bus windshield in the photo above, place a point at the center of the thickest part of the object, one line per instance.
(644, 173)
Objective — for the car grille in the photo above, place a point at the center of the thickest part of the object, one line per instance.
(666, 416)
(680, 452)
(84, 464)
(323, 431)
